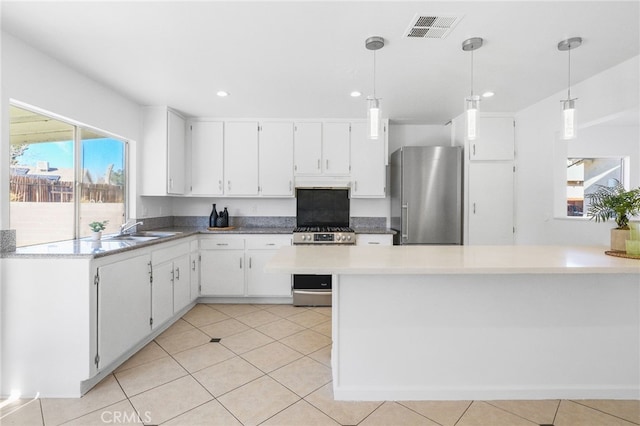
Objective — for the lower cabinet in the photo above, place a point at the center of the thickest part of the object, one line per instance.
(124, 307)
(194, 280)
(374, 239)
(171, 285)
(233, 265)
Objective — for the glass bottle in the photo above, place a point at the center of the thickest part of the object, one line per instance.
(225, 214)
(212, 217)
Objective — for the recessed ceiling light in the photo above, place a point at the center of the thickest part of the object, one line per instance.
(488, 94)
(355, 94)
(222, 94)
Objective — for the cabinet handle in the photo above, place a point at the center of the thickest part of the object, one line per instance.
(327, 164)
(271, 244)
(474, 208)
(318, 164)
(474, 149)
(290, 186)
(355, 189)
(193, 265)
(373, 242)
(177, 273)
(240, 263)
(295, 168)
(222, 244)
(220, 185)
(405, 234)
(249, 263)
(170, 183)
(229, 185)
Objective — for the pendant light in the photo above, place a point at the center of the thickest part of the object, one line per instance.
(569, 123)
(373, 104)
(472, 102)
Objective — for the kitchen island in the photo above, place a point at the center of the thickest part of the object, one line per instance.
(473, 322)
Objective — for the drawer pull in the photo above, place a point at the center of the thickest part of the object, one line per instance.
(373, 242)
(271, 244)
(222, 244)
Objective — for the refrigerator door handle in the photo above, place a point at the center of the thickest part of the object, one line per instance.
(405, 226)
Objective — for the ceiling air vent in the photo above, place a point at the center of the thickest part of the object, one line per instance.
(431, 26)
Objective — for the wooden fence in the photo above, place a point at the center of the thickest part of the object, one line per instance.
(49, 190)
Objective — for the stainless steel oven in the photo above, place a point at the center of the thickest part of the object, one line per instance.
(322, 218)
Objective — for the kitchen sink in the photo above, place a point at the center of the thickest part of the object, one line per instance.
(141, 236)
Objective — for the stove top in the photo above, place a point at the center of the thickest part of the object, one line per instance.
(324, 235)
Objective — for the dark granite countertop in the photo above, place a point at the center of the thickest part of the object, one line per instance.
(85, 247)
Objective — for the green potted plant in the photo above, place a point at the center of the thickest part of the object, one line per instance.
(97, 228)
(615, 202)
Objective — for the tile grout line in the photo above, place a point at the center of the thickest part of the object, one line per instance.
(512, 413)
(600, 411)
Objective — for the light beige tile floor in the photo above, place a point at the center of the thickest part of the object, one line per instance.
(272, 367)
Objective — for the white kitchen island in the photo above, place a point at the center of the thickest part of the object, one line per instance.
(478, 322)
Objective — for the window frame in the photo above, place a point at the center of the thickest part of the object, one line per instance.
(77, 159)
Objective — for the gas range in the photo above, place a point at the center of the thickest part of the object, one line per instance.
(342, 235)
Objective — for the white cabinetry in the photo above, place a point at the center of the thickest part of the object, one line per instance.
(495, 139)
(194, 257)
(489, 180)
(276, 159)
(322, 149)
(171, 286)
(374, 239)
(124, 308)
(490, 194)
(368, 170)
(241, 158)
(207, 150)
(307, 150)
(234, 266)
(260, 250)
(336, 153)
(163, 152)
(222, 266)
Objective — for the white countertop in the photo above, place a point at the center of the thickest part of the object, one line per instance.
(449, 260)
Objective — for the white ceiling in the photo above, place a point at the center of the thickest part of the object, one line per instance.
(302, 59)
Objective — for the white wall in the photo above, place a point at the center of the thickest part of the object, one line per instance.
(610, 92)
(31, 77)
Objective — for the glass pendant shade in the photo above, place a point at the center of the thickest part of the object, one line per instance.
(373, 118)
(569, 127)
(472, 107)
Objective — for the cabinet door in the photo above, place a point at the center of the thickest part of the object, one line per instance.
(181, 282)
(335, 148)
(241, 158)
(207, 141)
(124, 307)
(276, 159)
(490, 203)
(260, 283)
(175, 153)
(162, 293)
(195, 276)
(495, 139)
(368, 171)
(307, 150)
(222, 272)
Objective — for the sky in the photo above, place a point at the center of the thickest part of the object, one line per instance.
(98, 154)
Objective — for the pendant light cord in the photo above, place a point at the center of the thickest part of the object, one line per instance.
(569, 75)
(374, 74)
(472, 74)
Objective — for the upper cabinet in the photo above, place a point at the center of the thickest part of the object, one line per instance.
(207, 149)
(163, 152)
(495, 139)
(214, 158)
(241, 158)
(275, 159)
(322, 149)
(368, 171)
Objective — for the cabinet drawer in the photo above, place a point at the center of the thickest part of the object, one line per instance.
(165, 254)
(193, 245)
(374, 239)
(270, 242)
(224, 243)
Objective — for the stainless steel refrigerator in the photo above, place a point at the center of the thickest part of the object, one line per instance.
(426, 195)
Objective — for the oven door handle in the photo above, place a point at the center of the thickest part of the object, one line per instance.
(313, 293)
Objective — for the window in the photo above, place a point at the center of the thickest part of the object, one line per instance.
(583, 177)
(63, 177)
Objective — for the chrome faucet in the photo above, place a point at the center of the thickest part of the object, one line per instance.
(127, 226)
